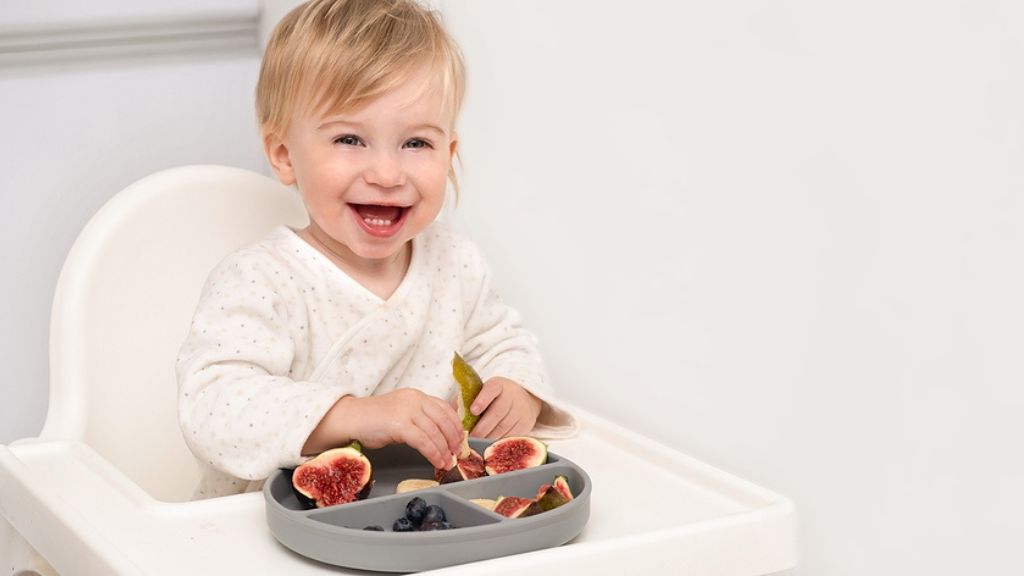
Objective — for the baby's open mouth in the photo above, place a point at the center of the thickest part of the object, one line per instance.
(379, 220)
(379, 216)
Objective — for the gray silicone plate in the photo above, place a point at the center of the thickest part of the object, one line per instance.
(335, 534)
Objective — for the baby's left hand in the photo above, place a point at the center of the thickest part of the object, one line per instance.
(507, 408)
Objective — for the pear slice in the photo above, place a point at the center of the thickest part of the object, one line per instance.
(469, 387)
(411, 484)
(484, 502)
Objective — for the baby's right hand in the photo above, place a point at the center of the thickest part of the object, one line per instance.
(408, 416)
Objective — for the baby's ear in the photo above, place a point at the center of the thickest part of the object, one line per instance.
(280, 158)
(453, 146)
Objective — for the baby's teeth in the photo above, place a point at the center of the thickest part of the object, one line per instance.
(377, 222)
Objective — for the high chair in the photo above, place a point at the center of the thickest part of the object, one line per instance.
(104, 488)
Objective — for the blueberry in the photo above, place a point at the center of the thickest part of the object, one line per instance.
(434, 525)
(403, 524)
(374, 528)
(415, 510)
(434, 514)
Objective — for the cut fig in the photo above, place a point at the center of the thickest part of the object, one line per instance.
(412, 484)
(467, 465)
(514, 453)
(549, 497)
(516, 507)
(337, 476)
(562, 485)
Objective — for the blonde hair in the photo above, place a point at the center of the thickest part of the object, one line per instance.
(334, 56)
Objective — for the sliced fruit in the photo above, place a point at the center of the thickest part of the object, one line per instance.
(411, 484)
(484, 502)
(513, 506)
(468, 465)
(562, 485)
(514, 453)
(333, 477)
(549, 498)
(469, 387)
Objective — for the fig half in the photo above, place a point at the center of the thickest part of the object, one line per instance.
(336, 476)
(514, 453)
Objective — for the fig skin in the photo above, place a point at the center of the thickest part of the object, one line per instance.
(514, 453)
(549, 498)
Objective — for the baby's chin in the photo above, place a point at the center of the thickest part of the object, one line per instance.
(380, 251)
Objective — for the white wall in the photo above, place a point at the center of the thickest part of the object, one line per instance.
(789, 231)
(80, 125)
(783, 237)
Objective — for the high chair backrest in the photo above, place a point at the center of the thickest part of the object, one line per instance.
(124, 303)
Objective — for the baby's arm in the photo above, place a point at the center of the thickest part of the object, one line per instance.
(516, 398)
(403, 416)
(239, 407)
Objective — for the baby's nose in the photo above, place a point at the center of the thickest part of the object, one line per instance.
(384, 170)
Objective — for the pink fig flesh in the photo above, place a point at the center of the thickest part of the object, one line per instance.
(336, 476)
(467, 466)
(514, 453)
(512, 506)
(562, 485)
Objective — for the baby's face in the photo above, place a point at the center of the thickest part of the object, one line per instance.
(373, 178)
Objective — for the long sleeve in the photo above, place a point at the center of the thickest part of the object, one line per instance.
(239, 408)
(281, 333)
(497, 344)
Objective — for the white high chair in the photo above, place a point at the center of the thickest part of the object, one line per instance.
(103, 488)
(121, 310)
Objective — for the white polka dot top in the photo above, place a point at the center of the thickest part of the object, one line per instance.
(281, 333)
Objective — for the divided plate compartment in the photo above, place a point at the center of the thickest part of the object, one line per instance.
(336, 535)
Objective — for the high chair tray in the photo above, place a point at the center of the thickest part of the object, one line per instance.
(336, 534)
(653, 510)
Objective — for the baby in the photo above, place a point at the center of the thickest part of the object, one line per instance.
(345, 330)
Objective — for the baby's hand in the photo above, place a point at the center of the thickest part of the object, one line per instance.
(408, 416)
(507, 408)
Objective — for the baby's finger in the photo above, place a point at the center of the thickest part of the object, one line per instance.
(490, 391)
(491, 418)
(425, 437)
(447, 422)
(505, 427)
(521, 428)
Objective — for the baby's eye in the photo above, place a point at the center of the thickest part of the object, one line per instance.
(417, 143)
(348, 140)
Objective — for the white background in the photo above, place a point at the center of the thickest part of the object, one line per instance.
(783, 237)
